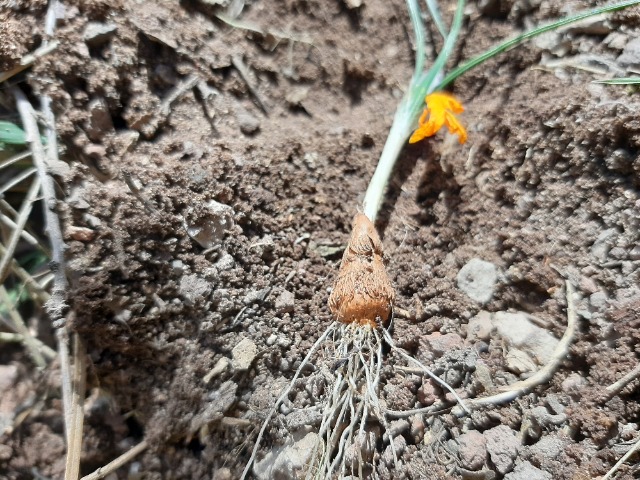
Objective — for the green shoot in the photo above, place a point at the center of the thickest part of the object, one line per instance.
(517, 40)
(620, 81)
(425, 82)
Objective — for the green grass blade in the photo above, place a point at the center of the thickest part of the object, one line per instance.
(507, 45)
(620, 81)
(11, 134)
(424, 83)
(418, 32)
(434, 11)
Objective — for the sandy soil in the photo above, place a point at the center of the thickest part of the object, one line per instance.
(279, 122)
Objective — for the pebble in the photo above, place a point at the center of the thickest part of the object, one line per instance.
(248, 123)
(478, 280)
(574, 384)
(602, 245)
(285, 302)
(288, 461)
(225, 262)
(472, 449)
(220, 367)
(630, 56)
(519, 332)
(480, 326)
(100, 123)
(549, 447)
(437, 344)
(222, 474)
(98, 33)
(502, 446)
(243, 354)
(194, 289)
(8, 376)
(209, 229)
(400, 444)
(598, 301)
(519, 362)
(526, 471)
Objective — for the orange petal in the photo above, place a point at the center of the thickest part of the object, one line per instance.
(455, 127)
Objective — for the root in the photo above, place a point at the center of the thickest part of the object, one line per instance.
(433, 376)
(330, 329)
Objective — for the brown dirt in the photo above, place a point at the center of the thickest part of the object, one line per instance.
(547, 183)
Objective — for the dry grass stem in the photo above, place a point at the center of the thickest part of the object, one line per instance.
(510, 392)
(14, 159)
(635, 448)
(21, 221)
(243, 70)
(17, 180)
(118, 462)
(29, 60)
(19, 325)
(74, 434)
(29, 282)
(56, 306)
(618, 386)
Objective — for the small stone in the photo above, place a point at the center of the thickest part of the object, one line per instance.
(222, 474)
(519, 332)
(256, 296)
(100, 123)
(5, 452)
(98, 33)
(225, 262)
(502, 446)
(81, 234)
(194, 289)
(285, 302)
(248, 123)
(574, 384)
(478, 280)
(473, 450)
(519, 362)
(208, 226)
(526, 471)
(400, 444)
(548, 448)
(177, 266)
(243, 354)
(427, 393)
(602, 245)
(441, 344)
(480, 326)
(220, 367)
(598, 301)
(630, 56)
(8, 376)
(288, 461)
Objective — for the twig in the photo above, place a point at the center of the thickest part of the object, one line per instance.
(26, 236)
(28, 60)
(176, 92)
(250, 27)
(21, 177)
(239, 65)
(617, 387)
(626, 456)
(23, 216)
(15, 159)
(20, 327)
(32, 285)
(47, 352)
(118, 462)
(516, 389)
(74, 435)
(56, 306)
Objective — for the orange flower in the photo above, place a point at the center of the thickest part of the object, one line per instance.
(440, 111)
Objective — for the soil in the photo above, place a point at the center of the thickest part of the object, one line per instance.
(282, 118)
